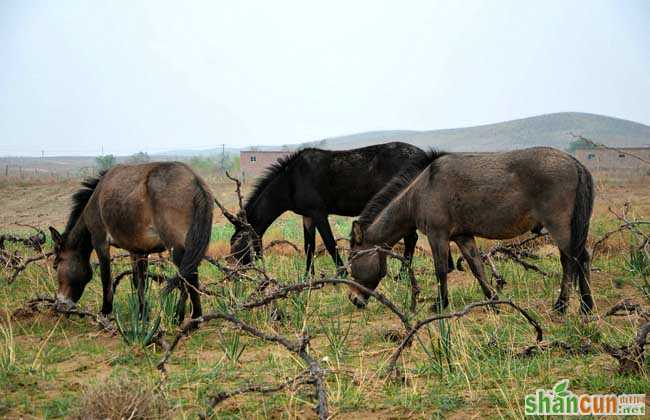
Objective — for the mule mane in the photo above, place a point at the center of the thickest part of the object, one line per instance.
(80, 199)
(395, 186)
(270, 174)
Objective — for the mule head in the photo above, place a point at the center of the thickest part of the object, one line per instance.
(244, 243)
(73, 270)
(367, 265)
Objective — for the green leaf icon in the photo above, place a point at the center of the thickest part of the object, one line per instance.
(561, 388)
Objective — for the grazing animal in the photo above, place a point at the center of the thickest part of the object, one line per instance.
(494, 196)
(145, 208)
(315, 183)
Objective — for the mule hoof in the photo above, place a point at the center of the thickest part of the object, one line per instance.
(342, 273)
(495, 308)
(560, 307)
(189, 325)
(277, 315)
(358, 301)
(438, 306)
(586, 307)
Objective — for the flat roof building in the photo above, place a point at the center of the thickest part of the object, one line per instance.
(625, 159)
(254, 163)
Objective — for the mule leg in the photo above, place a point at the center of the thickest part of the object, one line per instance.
(470, 252)
(410, 241)
(103, 255)
(440, 252)
(584, 273)
(140, 264)
(309, 236)
(568, 275)
(177, 257)
(195, 295)
(450, 262)
(573, 267)
(323, 226)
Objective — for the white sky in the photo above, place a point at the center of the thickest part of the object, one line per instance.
(76, 76)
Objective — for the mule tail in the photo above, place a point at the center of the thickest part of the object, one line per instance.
(582, 209)
(196, 239)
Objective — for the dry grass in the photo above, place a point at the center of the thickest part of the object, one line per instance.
(122, 398)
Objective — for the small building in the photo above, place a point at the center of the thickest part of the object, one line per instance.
(623, 159)
(254, 162)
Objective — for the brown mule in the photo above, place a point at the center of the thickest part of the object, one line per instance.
(143, 209)
(494, 196)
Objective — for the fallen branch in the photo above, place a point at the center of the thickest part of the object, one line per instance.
(628, 307)
(322, 249)
(278, 242)
(627, 224)
(22, 266)
(35, 241)
(36, 304)
(585, 347)
(631, 357)
(159, 278)
(301, 379)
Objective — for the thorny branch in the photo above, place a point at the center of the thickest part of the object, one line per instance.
(630, 357)
(627, 224)
(628, 307)
(18, 265)
(299, 348)
(277, 242)
(35, 241)
(39, 302)
(241, 220)
(303, 378)
(240, 198)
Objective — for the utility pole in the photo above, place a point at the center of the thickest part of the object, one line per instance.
(223, 157)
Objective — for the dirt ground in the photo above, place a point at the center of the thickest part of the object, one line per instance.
(43, 203)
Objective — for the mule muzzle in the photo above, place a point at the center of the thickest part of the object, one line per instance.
(357, 300)
(63, 302)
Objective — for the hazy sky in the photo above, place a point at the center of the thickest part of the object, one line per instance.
(152, 75)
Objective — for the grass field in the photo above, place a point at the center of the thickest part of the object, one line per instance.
(56, 366)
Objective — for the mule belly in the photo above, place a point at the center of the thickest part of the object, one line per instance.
(148, 242)
(133, 231)
(497, 224)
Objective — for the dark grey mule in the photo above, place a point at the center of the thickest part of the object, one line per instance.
(315, 183)
(141, 208)
(494, 196)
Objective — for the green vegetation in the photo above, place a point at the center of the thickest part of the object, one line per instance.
(215, 165)
(55, 366)
(140, 157)
(105, 162)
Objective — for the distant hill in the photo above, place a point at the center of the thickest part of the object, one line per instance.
(543, 130)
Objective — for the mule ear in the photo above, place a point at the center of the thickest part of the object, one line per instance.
(357, 232)
(233, 220)
(56, 237)
(241, 218)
